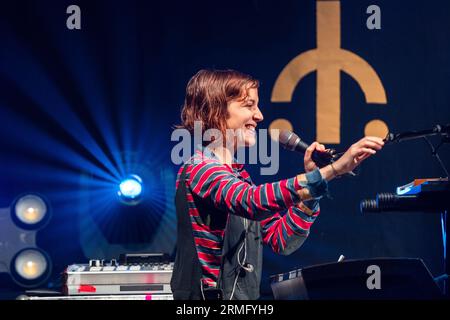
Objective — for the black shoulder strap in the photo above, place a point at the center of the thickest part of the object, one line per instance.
(187, 272)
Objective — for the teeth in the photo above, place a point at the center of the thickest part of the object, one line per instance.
(251, 128)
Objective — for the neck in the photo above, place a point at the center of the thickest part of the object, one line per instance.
(224, 154)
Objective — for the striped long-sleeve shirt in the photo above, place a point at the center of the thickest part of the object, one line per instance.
(230, 191)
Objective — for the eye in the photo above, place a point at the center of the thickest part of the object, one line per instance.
(250, 103)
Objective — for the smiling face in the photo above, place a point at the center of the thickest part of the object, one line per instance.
(243, 116)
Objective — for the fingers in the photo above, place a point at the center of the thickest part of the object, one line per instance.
(315, 146)
(309, 150)
(366, 150)
(370, 144)
(320, 147)
(308, 162)
(362, 157)
(367, 145)
(373, 142)
(363, 154)
(375, 139)
(359, 152)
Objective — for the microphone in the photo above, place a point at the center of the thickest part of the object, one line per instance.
(443, 130)
(292, 142)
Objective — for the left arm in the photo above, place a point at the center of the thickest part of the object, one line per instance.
(285, 234)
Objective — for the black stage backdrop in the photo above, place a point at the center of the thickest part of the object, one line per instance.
(79, 109)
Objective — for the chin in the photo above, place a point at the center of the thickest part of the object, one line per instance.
(250, 142)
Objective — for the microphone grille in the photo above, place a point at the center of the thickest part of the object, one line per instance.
(288, 139)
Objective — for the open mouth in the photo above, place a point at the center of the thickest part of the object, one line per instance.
(251, 127)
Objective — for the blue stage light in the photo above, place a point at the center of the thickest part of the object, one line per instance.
(130, 188)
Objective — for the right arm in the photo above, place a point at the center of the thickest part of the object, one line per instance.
(212, 180)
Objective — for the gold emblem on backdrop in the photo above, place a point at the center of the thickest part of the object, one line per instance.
(328, 60)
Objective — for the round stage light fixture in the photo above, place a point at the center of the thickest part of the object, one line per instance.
(30, 267)
(30, 211)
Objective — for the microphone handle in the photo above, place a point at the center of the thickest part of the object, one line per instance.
(322, 158)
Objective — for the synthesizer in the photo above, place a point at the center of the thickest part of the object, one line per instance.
(100, 277)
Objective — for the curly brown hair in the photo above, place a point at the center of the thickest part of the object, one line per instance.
(208, 93)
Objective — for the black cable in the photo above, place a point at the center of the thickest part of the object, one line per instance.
(435, 154)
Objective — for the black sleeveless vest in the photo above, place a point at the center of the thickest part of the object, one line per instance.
(185, 283)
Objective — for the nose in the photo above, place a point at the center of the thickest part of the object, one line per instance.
(258, 116)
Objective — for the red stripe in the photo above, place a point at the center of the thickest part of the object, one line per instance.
(280, 234)
(225, 196)
(210, 244)
(198, 166)
(257, 193)
(209, 282)
(240, 196)
(205, 177)
(217, 179)
(195, 169)
(245, 174)
(230, 193)
(213, 271)
(249, 203)
(286, 194)
(300, 222)
(267, 220)
(218, 198)
(193, 212)
(207, 229)
(270, 232)
(275, 246)
(270, 195)
(291, 199)
(286, 225)
(210, 258)
(201, 180)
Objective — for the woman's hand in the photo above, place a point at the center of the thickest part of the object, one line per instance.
(308, 162)
(357, 153)
(352, 158)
